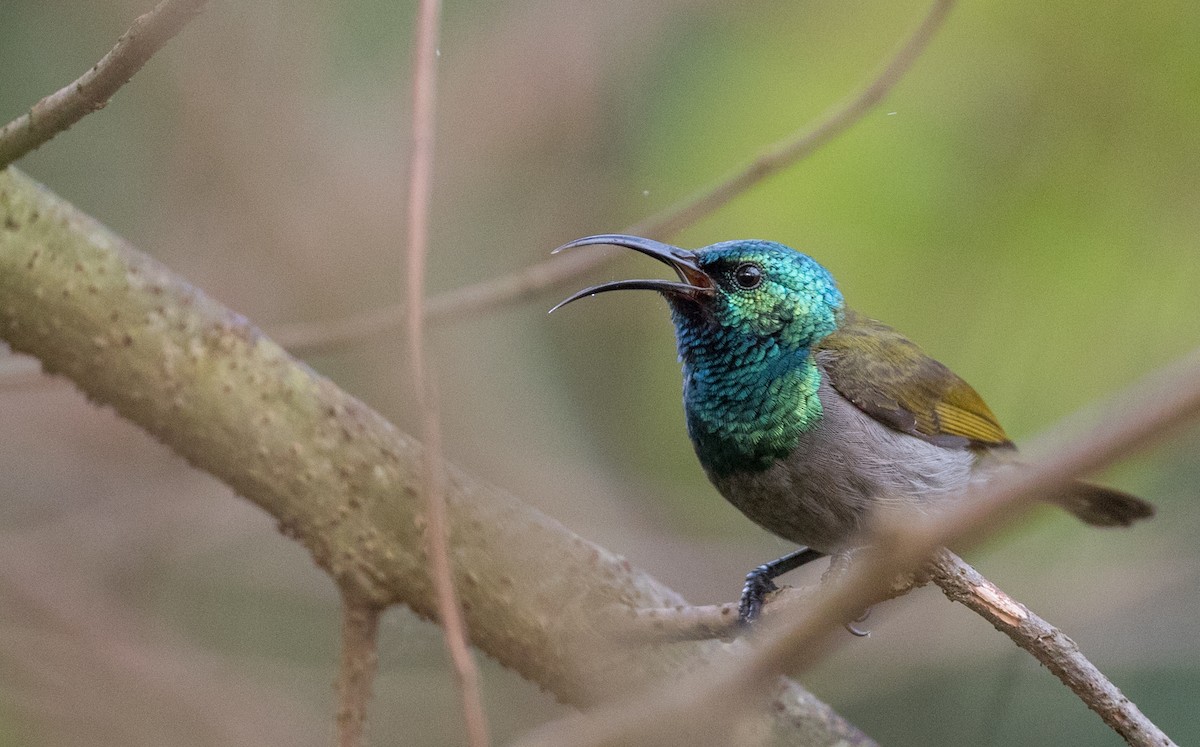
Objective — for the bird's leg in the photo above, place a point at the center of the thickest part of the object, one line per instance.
(761, 581)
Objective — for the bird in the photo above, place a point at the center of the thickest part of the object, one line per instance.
(811, 418)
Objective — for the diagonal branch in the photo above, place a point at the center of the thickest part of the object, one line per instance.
(797, 146)
(337, 477)
(963, 584)
(960, 583)
(469, 300)
(63, 108)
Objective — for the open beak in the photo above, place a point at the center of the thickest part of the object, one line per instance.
(693, 282)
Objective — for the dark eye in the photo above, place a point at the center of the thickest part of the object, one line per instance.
(748, 276)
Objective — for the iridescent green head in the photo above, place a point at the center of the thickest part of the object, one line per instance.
(762, 293)
(763, 290)
(747, 314)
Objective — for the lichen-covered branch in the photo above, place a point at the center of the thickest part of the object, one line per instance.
(335, 474)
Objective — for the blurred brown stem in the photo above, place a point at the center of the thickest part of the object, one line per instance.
(356, 671)
(92, 90)
(472, 299)
(437, 540)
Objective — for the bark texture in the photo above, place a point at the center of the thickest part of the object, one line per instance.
(336, 475)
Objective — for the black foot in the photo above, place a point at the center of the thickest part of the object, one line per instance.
(754, 594)
(761, 581)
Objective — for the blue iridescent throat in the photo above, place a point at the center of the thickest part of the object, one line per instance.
(748, 400)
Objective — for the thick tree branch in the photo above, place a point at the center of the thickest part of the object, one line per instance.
(63, 108)
(488, 294)
(338, 477)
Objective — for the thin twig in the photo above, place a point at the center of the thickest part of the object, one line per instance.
(1146, 413)
(356, 671)
(963, 584)
(63, 108)
(687, 623)
(804, 143)
(703, 622)
(471, 299)
(433, 470)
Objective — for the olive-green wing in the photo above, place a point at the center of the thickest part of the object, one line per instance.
(891, 379)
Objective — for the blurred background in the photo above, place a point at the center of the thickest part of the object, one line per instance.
(1024, 205)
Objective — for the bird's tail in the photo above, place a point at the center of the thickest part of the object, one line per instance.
(1103, 507)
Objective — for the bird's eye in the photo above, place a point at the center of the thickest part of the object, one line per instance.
(748, 276)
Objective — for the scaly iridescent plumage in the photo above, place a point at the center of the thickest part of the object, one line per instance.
(810, 417)
(750, 384)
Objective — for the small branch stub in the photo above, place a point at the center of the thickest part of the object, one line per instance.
(356, 670)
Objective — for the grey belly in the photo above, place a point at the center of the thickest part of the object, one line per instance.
(841, 473)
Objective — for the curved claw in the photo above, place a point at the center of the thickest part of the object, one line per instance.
(858, 632)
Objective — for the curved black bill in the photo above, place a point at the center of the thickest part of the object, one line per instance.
(693, 280)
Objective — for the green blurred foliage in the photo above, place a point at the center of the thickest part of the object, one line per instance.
(1024, 205)
(1032, 222)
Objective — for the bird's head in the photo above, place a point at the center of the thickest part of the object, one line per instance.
(736, 295)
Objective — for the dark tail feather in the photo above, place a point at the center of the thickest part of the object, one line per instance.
(1103, 507)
